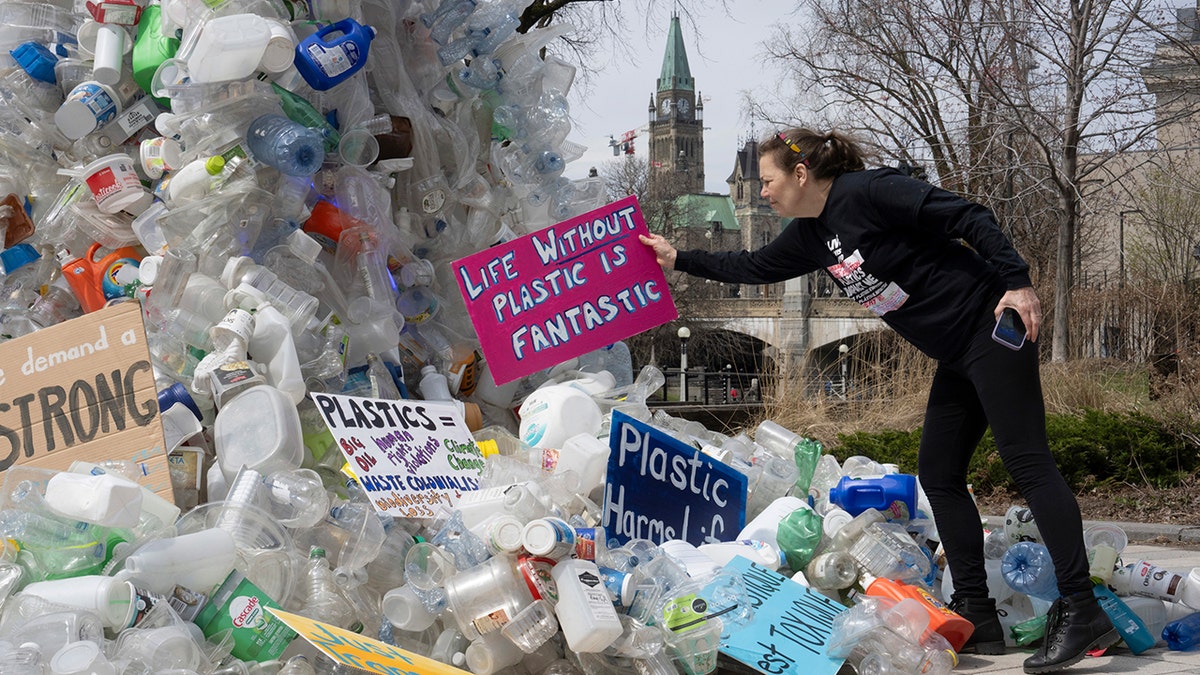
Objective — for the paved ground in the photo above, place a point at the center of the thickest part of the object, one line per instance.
(1159, 660)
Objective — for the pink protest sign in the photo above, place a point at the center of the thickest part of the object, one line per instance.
(565, 290)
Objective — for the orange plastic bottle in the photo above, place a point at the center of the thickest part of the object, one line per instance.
(942, 620)
(96, 282)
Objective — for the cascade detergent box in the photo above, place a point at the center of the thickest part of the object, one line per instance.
(240, 606)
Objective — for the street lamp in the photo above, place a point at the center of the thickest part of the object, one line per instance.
(843, 349)
(1121, 246)
(684, 333)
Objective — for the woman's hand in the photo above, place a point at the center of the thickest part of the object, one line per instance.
(1025, 302)
(663, 250)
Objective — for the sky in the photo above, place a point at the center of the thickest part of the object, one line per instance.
(723, 53)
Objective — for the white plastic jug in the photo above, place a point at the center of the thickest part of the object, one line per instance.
(229, 48)
(105, 499)
(114, 600)
(551, 415)
(585, 611)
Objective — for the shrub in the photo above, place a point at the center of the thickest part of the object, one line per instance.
(1095, 448)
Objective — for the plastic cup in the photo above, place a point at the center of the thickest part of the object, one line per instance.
(427, 567)
(160, 154)
(358, 147)
(81, 658)
(89, 106)
(281, 47)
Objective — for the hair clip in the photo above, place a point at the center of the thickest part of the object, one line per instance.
(791, 144)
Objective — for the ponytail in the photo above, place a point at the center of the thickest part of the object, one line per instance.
(826, 155)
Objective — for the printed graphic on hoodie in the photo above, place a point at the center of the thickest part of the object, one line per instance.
(878, 296)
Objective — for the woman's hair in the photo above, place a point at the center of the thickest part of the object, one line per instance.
(827, 155)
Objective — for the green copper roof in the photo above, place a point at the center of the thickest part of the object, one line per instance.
(675, 71)
(702, 210)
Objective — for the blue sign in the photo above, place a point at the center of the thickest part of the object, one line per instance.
(792, 624)
(659, 488)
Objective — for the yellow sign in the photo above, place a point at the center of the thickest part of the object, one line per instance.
(362, 652)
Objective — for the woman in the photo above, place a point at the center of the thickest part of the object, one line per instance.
(896, 245)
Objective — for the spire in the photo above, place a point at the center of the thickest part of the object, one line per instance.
(675, 71)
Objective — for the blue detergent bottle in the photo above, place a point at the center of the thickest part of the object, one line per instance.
(334, 53)
(1132, 630)
(895, 495)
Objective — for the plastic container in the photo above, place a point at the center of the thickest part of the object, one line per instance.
(549, 537)
(89, 106)
(113, 182)
(942, 620)
(486, 597)
(1028, 569)
(1127, 623)
(197, 561)
(552, 414)
(894, 495)
(334, 53)
(831, 570)
(1183, 634)
(117, 602)
(1019, 525)
(97, 282)
(765, 525)
(193, 181)
(405, 610)
(887, 550)
(107, 499)
(259, 429)
(289, 147)
(785, 443)
(585, 611)
(1146, 578)
(81, 658)
(1104, 543)
(229, 48)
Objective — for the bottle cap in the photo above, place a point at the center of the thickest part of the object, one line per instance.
(214, 165)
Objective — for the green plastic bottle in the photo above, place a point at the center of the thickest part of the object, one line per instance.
(151, 48)
(300, 111)
(798, 536)
(1029, 631)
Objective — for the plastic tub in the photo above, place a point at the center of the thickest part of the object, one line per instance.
(113, 182)
(229, 48)
(89, 106)
(259, 429)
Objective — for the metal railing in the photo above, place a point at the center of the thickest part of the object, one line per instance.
(701, 387)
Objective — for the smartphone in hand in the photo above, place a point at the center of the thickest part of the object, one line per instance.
(1010, 330)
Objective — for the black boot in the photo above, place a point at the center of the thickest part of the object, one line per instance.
(1075, 625)
(988, 636)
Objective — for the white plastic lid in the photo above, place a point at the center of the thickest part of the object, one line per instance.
(80, 657)
(507, 534)
(74, 119)
(539, 537)
(148, 269)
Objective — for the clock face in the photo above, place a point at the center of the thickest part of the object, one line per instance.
(683, 106)
(666, 106)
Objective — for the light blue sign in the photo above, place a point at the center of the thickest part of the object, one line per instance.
(659, 488)
(790, 631)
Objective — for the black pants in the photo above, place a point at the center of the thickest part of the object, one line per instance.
(992, 385)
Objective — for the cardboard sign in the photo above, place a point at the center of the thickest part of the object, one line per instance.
(566, 290)
(413, 458)
(83, 390)
(659, 488)
(361, 652)
(791, 625)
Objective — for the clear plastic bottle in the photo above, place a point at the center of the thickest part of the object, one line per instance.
(285, 145)
(299, 307)
(297, 665)
(1028, 569)
(804, 451)
(832, 570)
(324, 600)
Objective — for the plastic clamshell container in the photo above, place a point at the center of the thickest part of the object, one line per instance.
(260, 429)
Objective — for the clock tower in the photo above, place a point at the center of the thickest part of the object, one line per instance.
(676, 123)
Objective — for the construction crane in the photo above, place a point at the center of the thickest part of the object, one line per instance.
(625, 145)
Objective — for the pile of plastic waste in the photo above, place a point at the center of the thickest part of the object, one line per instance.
(281, 185)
